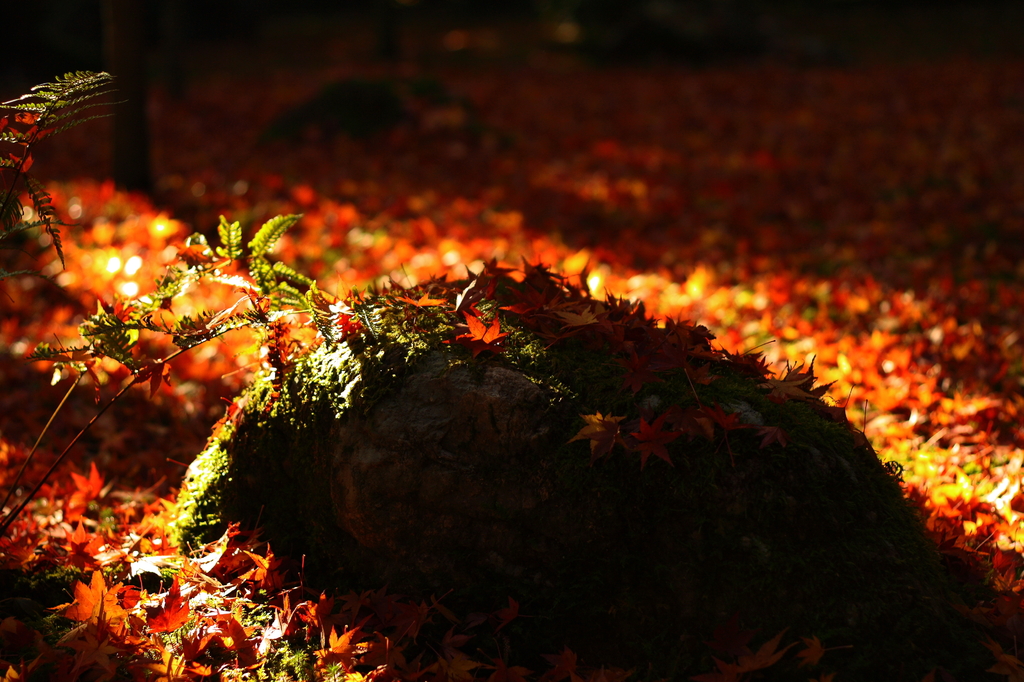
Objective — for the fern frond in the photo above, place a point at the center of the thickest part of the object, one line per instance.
(271, 231)
(72, 84)
(289, 295)
(45, 351)
(42, 202)
(13, 137)
(189, 332)
(61, 127)
(320, 312)
(369, 316)
(262, 272)
(230, 238)
(173, 284)
(4, 274)
(287, 272)
(10, 219)
(112, 337)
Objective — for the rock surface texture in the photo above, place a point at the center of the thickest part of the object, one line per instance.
(430, 460)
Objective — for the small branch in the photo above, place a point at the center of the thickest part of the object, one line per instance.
(32, 452)
(136, 379)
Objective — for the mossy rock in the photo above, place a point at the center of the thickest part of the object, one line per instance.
(399, 457)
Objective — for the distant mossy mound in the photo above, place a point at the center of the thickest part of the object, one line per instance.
(360, 108)
(631, 486)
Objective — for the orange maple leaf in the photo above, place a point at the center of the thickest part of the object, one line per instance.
(424, 301)
(603, 433)
(813, 653)
(94, 601)
(344, 649)
(1008, 665)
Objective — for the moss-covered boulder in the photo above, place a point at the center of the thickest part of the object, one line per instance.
(631, 486)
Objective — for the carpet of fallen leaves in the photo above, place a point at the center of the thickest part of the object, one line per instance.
(870, 217)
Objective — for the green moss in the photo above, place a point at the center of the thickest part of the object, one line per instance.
(288, 660)
(30, 596)
(199, 504)
(815, 536)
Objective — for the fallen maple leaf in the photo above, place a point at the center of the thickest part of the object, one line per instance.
(603, 433)
(766, 656)
(172, 612)
(457, 669)
(651, 440)
(507, 615)
(1008, 665)
(564, 666)
(83, 547)
(503, 673)
(727, 672)
(772, 434)
(86, 490)
(423, 301)
(728, 422)
(344, 649)
(481, 337)
(812, 653)
(637, 373)
(95, 645)
(94, 601)
(731, 639)
(814, 650)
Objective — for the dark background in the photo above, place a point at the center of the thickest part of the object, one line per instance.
(56, 36)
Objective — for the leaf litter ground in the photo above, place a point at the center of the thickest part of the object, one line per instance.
(870, 217)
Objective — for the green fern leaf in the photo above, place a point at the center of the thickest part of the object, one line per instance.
(287, 272)
(111, 337)
(262, 272)
(271, 231)
(320, 312)
(4, 274)
(230, 238)
(289, 295)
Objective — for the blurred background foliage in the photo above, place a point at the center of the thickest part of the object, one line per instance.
(64, 35)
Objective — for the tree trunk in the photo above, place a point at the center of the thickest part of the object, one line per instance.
(124, 36)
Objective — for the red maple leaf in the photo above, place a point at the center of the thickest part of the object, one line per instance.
(772, 434)
(83, 547)
(728, 422)
(766, 656)
(171, 613)
(638, 373)
(87, 489)
(502, 673)
(507, 615)
(482, 337)
(651, 440)
(730, 639)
